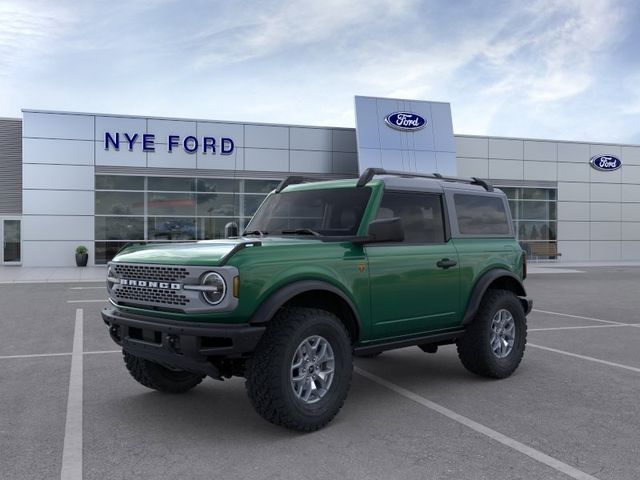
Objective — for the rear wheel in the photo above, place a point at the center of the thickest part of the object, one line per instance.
(158, 377)
(494, 343)
(300, 372)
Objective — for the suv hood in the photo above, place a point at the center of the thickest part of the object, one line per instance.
(204, 253)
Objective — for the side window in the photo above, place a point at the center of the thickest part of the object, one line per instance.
(481, 215)
(421, 215)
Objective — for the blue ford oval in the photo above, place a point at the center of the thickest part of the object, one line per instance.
(405, 121)
(606, 163)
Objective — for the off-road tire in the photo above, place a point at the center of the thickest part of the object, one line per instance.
(268, 372)
(155, 376)
(474, 347)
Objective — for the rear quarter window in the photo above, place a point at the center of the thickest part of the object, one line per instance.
(481, 215)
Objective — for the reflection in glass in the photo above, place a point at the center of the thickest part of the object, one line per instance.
(171, 204)
(171, 184)
(224, 204)
(119, 228)
(212, 228)
(260, 186)
(171, 228)
(211, 185)
(11, 241)
(251, 204)
(120, 203)
(481, 215)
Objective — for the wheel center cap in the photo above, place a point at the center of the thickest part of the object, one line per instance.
(311, 369)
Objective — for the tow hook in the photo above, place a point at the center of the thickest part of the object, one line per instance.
(172, 343)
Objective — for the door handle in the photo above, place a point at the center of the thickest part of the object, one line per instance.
(446, 263)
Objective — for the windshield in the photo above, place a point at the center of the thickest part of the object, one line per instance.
(327, 212)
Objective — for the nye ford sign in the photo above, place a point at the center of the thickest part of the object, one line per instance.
(605, 163)
(189, 144)
(405, 121)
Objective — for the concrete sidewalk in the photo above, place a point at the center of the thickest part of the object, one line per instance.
(11, 274)
(16, 274)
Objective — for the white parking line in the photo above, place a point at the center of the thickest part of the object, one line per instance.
(102, 287)
(582, 327)
(63, 354)
(72, 449)
(584, 357)
(34, 355)
(479, 428)
(577, 316)
(102, 300)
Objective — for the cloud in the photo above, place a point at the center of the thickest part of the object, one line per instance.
(27, 30)
(536, 69)
(288, 25)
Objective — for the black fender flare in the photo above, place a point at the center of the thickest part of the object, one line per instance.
(272, 304)
(482, 285)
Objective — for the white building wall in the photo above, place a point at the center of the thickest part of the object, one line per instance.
(62, 150)
(598, 212)
(57, 188)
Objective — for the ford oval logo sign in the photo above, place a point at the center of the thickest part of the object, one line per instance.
(405, 121)
(605, 163)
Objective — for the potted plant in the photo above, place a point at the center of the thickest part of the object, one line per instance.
(82, 256)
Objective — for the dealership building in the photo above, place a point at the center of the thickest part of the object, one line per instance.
(102, 181)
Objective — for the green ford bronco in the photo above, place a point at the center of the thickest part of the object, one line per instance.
(326, 271)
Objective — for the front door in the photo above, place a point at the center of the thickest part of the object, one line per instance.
(414, 284)
(11, 241)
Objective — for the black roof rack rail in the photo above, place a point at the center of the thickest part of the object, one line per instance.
(292, 180)
(289, 181)
(369, 173)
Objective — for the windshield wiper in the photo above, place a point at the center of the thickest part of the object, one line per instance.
(302, 231)
(255, 232)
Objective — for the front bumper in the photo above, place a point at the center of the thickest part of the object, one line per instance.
(185, 345)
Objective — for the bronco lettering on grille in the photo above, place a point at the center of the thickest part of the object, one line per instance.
(150, 284)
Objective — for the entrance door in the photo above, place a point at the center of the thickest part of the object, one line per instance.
(11, 241)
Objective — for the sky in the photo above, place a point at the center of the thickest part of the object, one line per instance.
(567, 69)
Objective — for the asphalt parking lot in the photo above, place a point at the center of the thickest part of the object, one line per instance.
(69, 408)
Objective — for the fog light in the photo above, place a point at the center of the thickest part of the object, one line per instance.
(216, 288)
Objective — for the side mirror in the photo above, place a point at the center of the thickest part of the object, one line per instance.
(385, 230)
(231, 230)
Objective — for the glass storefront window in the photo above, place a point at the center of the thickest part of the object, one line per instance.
(213, 185)
(260, 186)
(120, 203)
(171, 184)
(534, 213)
(171, 204)
(217, 204)
(164, 209)
(213, 228)
(119, 228)
(171, 228)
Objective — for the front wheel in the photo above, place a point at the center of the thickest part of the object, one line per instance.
(300, 372)
(494, 343)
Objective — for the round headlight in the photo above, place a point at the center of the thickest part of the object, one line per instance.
(215, 288)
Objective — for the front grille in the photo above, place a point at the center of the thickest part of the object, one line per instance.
(151, 295)
(154, 273)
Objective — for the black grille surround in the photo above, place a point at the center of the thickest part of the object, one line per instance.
(166, 287)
